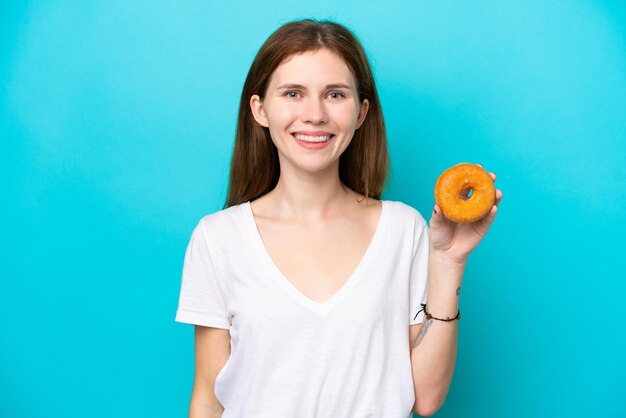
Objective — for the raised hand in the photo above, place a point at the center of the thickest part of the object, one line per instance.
(458, 240)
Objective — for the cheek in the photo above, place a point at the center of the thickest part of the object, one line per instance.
(282, 117)
(280, 122)
(347, 117)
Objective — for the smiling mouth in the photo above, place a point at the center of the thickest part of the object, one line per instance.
(313, 139)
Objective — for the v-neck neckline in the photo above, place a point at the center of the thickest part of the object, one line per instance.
(287, 285)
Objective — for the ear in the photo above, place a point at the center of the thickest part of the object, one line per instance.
(256, 105)
(362, 113)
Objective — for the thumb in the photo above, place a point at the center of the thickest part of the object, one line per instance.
(486, 222)
(437, 216)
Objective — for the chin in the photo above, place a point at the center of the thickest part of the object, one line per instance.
(312, 167)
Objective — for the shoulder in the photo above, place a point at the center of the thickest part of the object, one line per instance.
(407, 213)
(222, 223)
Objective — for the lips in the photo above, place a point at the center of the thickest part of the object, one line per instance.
(313, 133)
(313, 138)
(313, 143)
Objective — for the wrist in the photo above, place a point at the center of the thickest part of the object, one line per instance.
(446, 262)
(429, 315)
(445, 278)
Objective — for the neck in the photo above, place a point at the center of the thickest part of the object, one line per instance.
(311, 197)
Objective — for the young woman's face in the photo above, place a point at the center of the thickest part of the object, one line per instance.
(313, 94)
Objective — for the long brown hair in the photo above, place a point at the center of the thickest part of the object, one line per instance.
(255, 167)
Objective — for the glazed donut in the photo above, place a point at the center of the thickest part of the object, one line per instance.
(465, 193)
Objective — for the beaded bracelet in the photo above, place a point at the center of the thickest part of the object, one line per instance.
(429, 316)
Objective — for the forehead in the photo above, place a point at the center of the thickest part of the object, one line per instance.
(313, 67)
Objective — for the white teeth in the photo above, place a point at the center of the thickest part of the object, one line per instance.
(308, 138)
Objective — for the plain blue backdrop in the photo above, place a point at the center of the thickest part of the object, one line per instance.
(117, 125)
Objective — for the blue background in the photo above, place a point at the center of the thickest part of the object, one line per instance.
(117, 125)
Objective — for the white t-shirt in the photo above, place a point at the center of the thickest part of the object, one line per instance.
(348, 357)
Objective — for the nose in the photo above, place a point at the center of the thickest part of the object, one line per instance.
(314, 111)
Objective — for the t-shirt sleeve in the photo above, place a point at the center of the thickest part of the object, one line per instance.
(418, 286)
(201, 301)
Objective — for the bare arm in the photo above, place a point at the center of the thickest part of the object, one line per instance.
(212, 348)
(433, 353)
(434, 343)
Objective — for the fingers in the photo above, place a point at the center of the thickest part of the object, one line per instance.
(491, 174)
(498, 192)
(491, 216)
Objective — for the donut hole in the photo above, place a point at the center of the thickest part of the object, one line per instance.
(466, 193)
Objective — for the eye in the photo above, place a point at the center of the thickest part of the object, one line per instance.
(289, 92)
(338, 92)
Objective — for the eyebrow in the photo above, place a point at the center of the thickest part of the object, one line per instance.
(300, 86)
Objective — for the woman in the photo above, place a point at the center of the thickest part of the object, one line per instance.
(307, 291)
